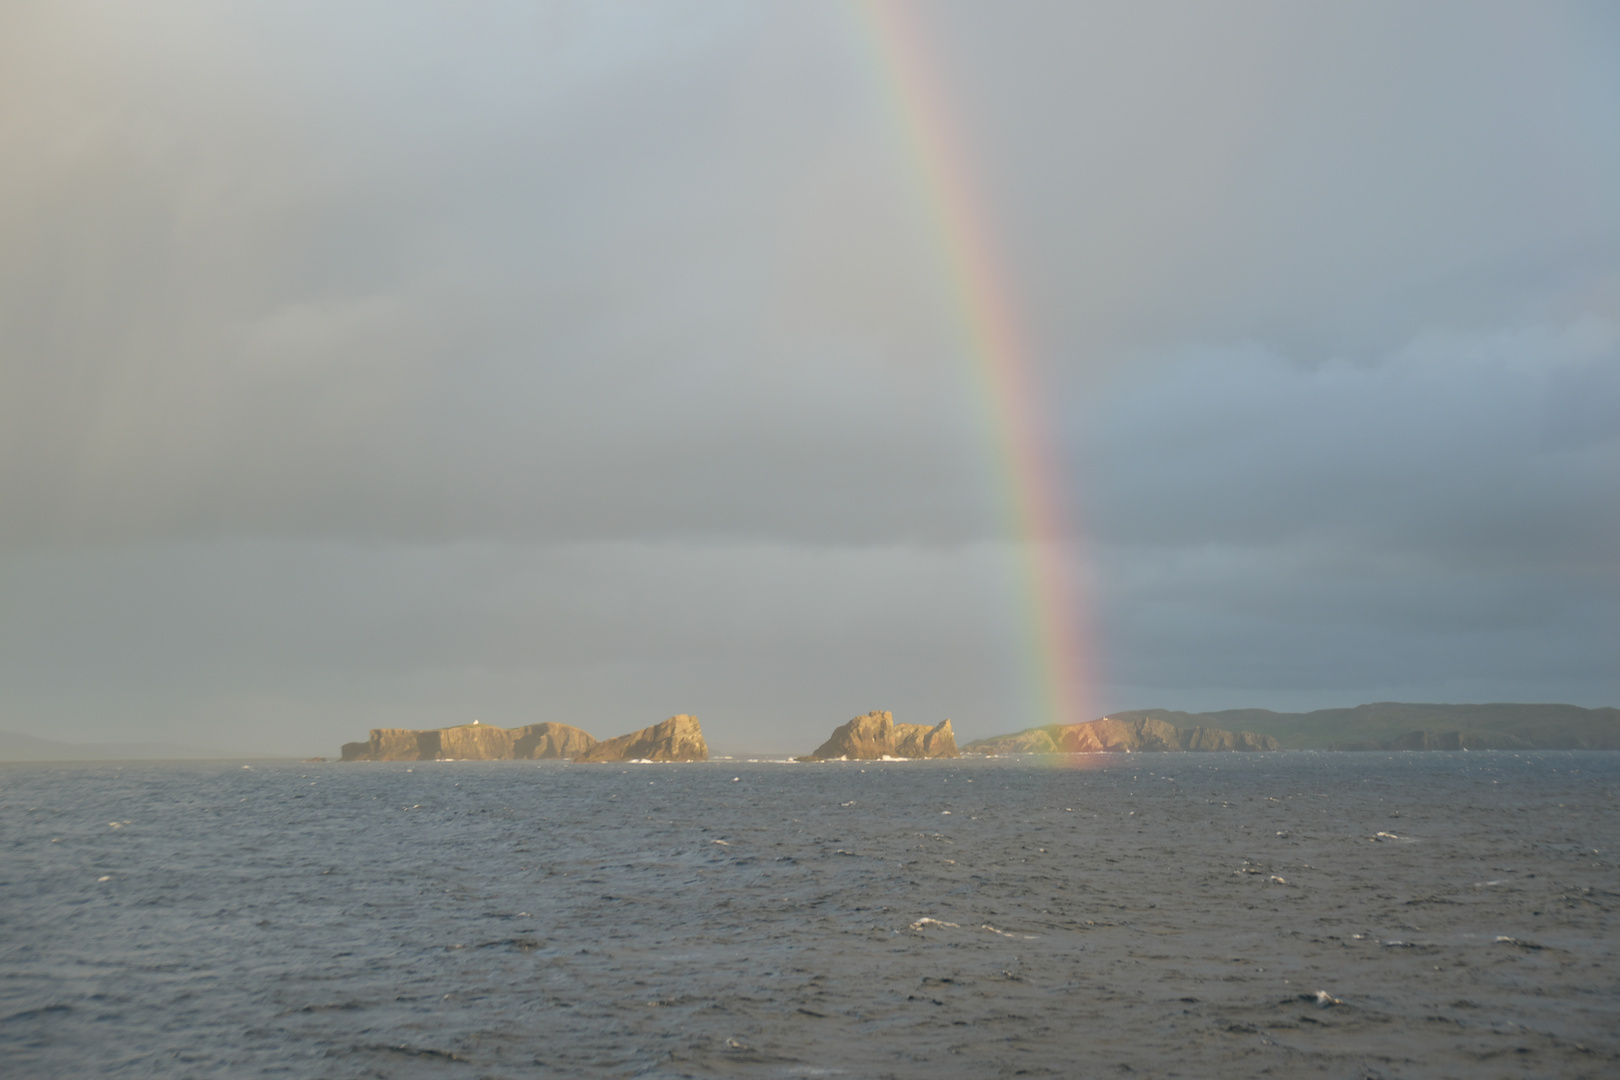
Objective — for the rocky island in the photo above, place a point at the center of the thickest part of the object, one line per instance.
(679, 738)
(876, 736)
(1113, 735)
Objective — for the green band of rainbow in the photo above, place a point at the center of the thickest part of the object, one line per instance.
(1030, 489)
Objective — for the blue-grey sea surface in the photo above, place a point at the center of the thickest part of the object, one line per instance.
(1291, 914)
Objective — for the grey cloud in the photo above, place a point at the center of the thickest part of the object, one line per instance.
(591, 314)
(1325, 180)
(360, 363)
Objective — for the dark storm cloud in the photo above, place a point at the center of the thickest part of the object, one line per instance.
(1435, 522)
(1497, 452)
(391, 363)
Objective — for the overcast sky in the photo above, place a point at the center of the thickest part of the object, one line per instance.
(403, 365)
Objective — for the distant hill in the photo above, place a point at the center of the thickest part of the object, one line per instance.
(16, 747)
(1389, 725)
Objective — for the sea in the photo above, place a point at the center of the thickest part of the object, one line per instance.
(1125, 915)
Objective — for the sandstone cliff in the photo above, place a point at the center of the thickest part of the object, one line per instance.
(540, 741)
(680, 738)
(394, 744)
(482, 742)
(1110, 735)
(876, 735)
(475, 742)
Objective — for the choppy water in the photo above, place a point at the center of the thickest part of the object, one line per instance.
(1149, 915)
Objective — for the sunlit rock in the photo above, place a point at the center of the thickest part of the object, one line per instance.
(922, 741)
(476, 742)
(680, 738)
(540, 741)
(876, 735)
(1109, 735)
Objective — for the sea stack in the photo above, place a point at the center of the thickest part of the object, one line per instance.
(876, 735)
(680, 738)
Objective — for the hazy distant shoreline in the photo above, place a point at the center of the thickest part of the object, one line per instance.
(16, 748)
(1378, 726)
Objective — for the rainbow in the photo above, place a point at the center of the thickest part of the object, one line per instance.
(1030, 488)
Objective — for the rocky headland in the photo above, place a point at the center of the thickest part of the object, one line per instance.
(1393, 725)
(677, 739)
(1115, 735)
(876, 735)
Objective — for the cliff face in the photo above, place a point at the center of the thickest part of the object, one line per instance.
(1213, 738)
(475, 742)
(394, 744)
(869, 736)
(677, 739)
(478, 742)
(680, 738)
(1106, 735)
(1110, 735)
(538, 741)
(876, 735)
(1439, 740)
(922, 741)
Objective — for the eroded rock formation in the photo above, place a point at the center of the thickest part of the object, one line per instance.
(1117, 736)
(680, 738)
(876, 735)
(480, 742)
(539, 741)
(922, 741)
